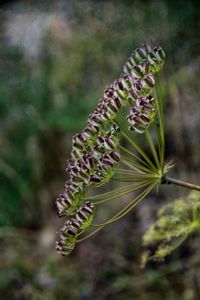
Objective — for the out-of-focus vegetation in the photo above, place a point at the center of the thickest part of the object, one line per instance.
(56, 58)
(176, 221)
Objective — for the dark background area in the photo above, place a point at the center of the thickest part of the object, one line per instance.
(56, 57)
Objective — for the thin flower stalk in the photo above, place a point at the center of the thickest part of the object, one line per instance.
(121, 193)
(134, 156)
(138, 148)
(152, 148)
(121, 213)
(134, 165)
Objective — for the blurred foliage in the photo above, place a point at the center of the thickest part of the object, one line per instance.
(176, 221)
(44, 99)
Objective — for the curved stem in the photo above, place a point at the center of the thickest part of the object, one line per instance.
(168, 180)
(89, 235)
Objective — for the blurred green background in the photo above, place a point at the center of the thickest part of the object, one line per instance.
(56, 57)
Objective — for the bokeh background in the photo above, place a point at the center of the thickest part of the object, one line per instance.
(56, 57)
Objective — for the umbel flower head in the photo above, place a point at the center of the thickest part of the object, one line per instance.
(96, 150)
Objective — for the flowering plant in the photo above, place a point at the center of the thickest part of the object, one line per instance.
(98, 155)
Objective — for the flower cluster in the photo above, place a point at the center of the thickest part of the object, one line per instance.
(145, 54)
(92, 162)
(95, 156)
(142, 65)
(142, 114)
(73, 227)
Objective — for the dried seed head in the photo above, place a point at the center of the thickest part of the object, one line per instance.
(94, 156)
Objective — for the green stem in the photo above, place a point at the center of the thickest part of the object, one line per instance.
(89, 235)
(127, 172)
(160, 146)
(123, 212)
(138, 186)
(152, 147)
(134, 178)
(134, 165)
(159, 102)
(122, 179)
(139, 149)
(178, 242)
(97, 199)
(127, 208)
(134, 155)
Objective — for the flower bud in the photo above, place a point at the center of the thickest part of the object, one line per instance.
(63, 202)
(109, 92)
(141, 116)
(137, 57)
(84, 215)
(145, 55)
(90, 131)
(95, 178)
(105, 168)
(65, 247)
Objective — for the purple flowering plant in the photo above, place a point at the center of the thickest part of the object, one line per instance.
(98, 156)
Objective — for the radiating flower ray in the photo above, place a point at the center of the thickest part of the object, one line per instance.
(126, 171)
(152, 148)
(159, 143)
(120, 214)
(134, 177)
(134, 165)
(134, 156)
(115, 194)
(139, 149)
(128, 207)
(114, 191)
(160, 130)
